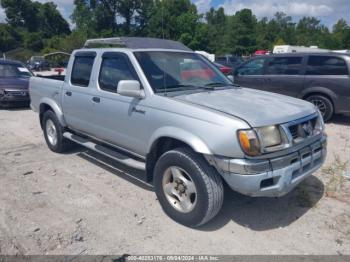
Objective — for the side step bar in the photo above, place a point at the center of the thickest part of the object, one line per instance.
(130, 162)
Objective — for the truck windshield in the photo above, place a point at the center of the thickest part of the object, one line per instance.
(169, 71)
(14, 70)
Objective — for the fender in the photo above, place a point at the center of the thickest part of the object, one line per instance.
(177, 133)
(318, 89)
(57, 110)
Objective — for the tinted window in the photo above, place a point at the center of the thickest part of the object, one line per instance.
(82, 70)
(114, 69)
(326, 65)
(221, 59)
(284, 66)
(254, 67)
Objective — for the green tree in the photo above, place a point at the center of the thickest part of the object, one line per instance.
(341, 34)
(242, 32)
(7, 38)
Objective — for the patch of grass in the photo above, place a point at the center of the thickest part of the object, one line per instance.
(334, 175)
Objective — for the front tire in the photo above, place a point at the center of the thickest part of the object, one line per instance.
(53, 133)
(323, 104)
(189, 190)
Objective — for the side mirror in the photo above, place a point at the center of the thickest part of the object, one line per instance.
(231, 78)
(130, 88)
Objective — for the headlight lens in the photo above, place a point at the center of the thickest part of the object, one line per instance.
(249, 142)
(270, 136)
(319, 125)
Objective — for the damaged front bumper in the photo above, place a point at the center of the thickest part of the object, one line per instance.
(272, 177)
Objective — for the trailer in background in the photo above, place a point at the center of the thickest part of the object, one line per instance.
(282, 49)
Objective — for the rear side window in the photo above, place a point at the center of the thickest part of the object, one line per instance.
(284, 66)
(326, 65)
(114, 68)
(254, 67)
(82, 69)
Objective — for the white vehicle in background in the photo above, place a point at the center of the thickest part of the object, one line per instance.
(210, 57)
(283, 49)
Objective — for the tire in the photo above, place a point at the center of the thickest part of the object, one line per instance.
(324, 105)
(53, 133)
(204, 204)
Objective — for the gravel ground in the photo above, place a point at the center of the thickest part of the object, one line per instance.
(81, 203)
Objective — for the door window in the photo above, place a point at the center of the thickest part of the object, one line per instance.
(284, 66)
(82, 69)
(254, 67)
(115, 68)
(326, 65)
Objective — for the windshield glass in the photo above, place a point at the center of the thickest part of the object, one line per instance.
(12, 70)
(178, 71)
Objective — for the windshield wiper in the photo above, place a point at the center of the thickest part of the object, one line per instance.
(216, 84)
(180, 86)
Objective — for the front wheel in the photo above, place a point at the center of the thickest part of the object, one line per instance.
(189, 190)
(323, 104)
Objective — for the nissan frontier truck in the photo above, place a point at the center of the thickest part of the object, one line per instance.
(156, 106)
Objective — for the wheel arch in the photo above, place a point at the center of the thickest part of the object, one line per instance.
(168, 139)
(319, 91)
(48, 104)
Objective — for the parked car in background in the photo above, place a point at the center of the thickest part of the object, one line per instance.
(320, 78)
(229, 61)
(261, 52)
(157, 106)
(225, 69)
(14, 82)
(38, 63)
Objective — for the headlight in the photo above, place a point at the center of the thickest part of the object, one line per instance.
(2, 91)
(249, 142)
(319, 125)
(270, 136)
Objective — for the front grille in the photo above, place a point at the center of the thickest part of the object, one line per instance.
(303, 130)
(16, 93)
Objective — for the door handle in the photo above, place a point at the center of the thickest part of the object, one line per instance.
(68, 93)
(96, 99)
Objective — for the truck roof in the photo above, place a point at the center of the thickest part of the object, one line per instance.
(133, 43)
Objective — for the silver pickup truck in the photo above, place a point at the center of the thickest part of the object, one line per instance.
(156, 106)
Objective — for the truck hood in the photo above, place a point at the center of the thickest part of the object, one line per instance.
(256, 107)
(14, 83)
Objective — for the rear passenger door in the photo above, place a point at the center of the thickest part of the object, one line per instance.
(250, 74)
(76, 96)
(284, 75)
(329, 74)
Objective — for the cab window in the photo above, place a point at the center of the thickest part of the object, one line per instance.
(114, 68)
(82, 69)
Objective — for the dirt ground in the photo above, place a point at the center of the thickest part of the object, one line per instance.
(82, 203)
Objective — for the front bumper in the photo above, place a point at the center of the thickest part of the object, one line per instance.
(272, 177)
(14, 96)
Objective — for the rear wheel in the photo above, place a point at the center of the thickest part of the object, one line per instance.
(189, 190)
(53, 132)
(323, 104)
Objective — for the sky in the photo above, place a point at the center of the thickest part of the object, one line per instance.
(328, 11)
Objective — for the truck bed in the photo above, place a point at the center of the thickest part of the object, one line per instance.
(48, 88)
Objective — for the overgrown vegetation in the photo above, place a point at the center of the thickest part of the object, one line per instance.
(40, 28)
